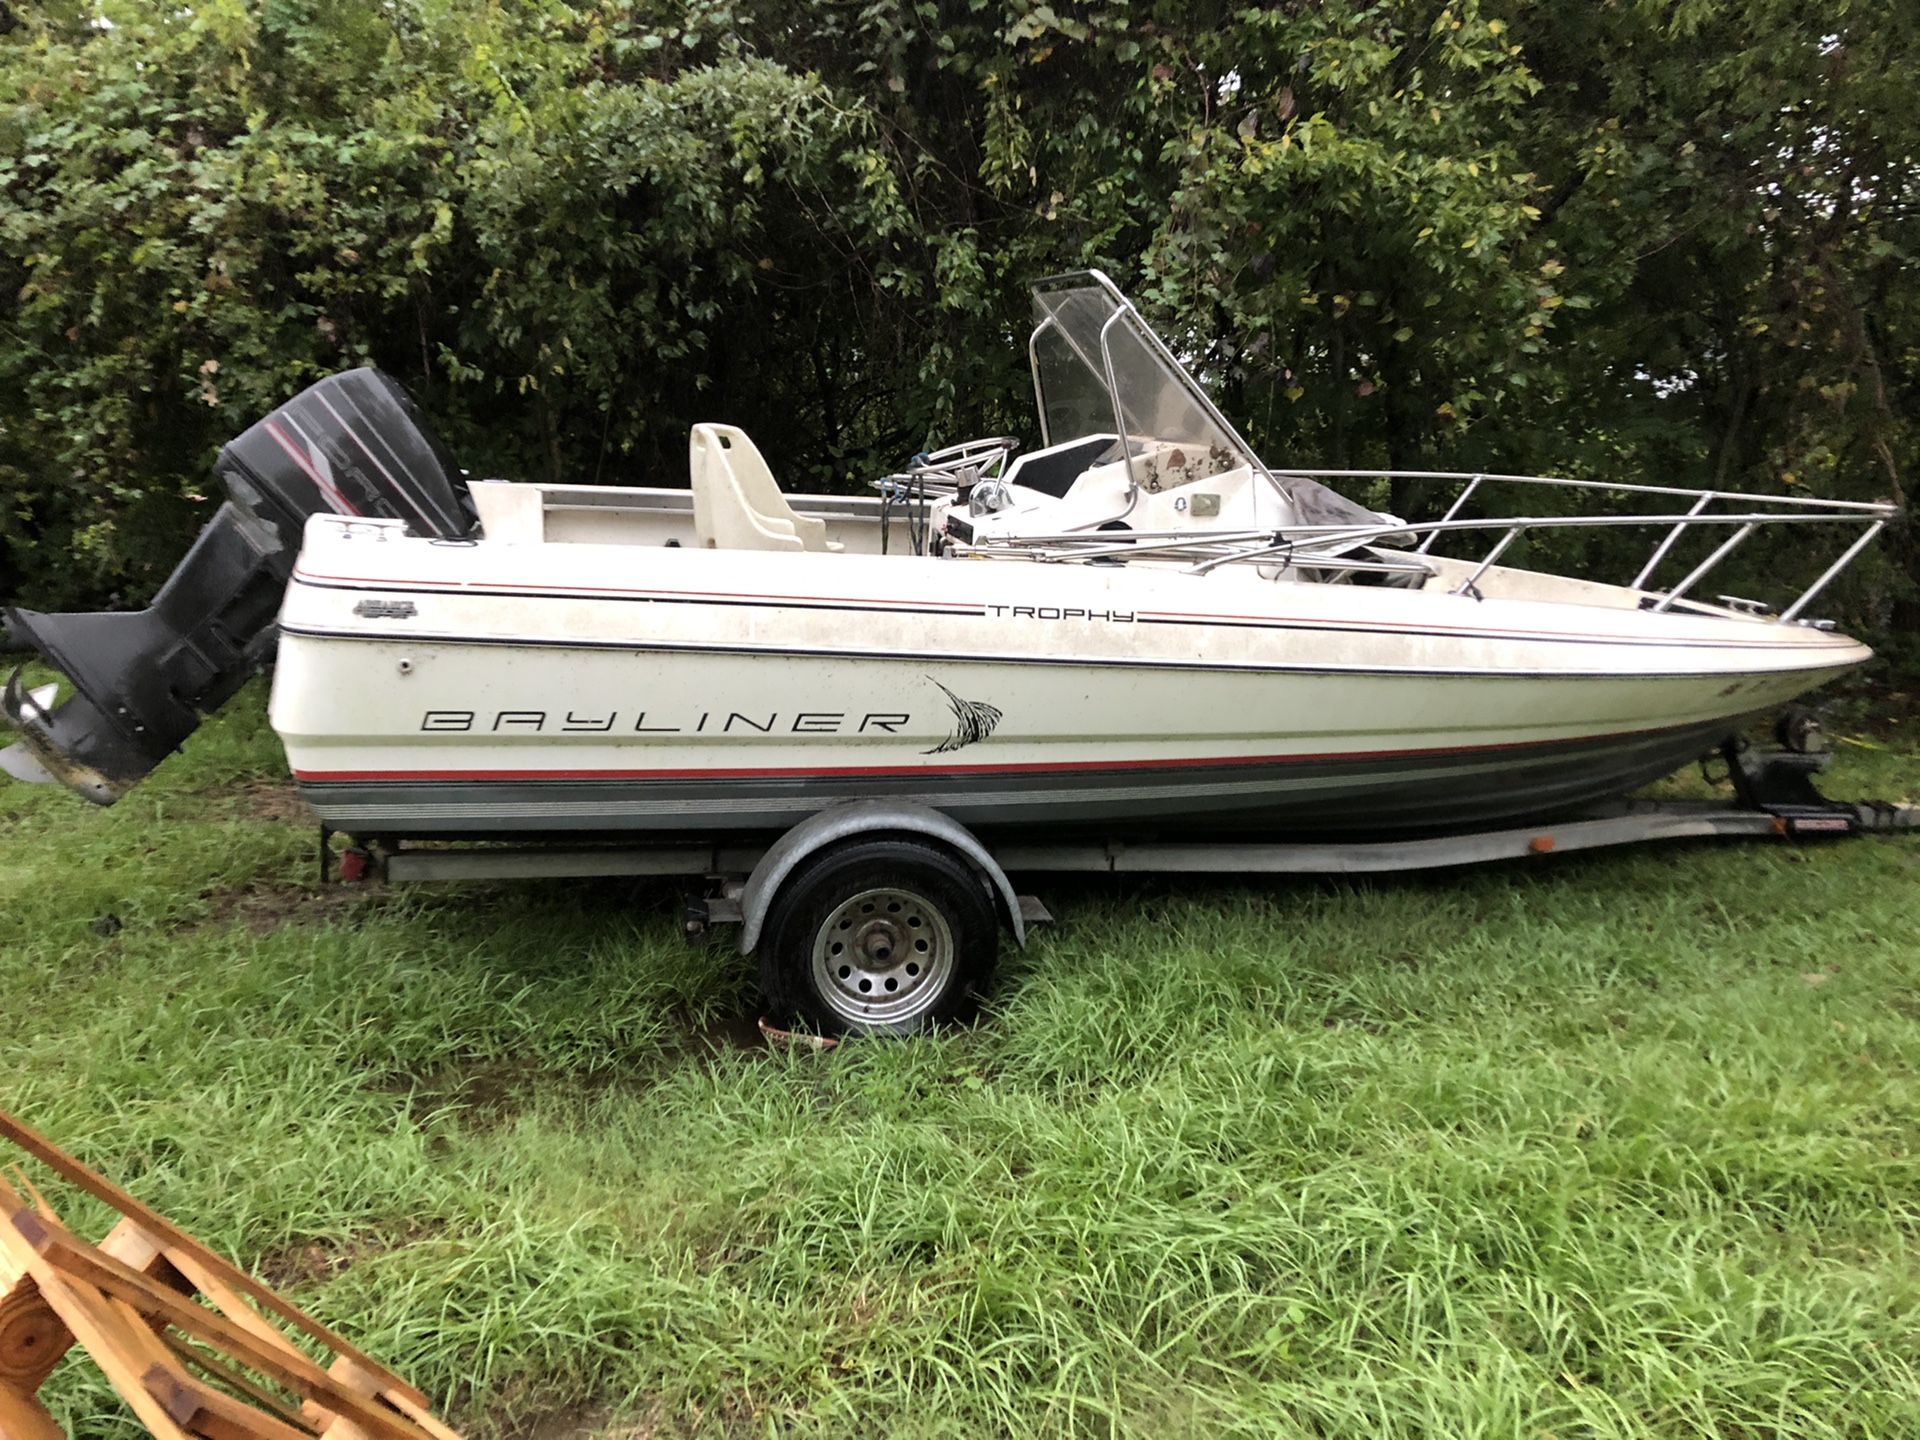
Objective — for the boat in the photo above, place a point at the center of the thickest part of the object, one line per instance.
(1136, 625)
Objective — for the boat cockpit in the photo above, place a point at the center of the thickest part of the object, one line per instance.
(1178, 487)
(1137, 466)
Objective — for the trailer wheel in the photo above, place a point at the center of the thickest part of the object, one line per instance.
(878, 936)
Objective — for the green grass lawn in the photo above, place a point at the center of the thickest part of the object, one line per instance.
(1609, 1145)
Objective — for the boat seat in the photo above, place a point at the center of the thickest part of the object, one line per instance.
(736, 504)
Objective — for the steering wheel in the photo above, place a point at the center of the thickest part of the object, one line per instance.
(938, 475)
(943, 471)
(987, 459)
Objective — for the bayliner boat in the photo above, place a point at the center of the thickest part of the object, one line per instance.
(1139, 623)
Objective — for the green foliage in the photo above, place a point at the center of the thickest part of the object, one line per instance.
(1641, 241)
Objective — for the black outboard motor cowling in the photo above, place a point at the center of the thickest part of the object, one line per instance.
(351, 445)
(354, 444)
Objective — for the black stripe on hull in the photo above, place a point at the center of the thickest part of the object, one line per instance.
(1364, 795)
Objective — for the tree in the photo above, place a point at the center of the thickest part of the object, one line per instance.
(1629, 241)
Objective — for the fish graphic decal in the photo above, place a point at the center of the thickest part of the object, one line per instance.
(973, 720)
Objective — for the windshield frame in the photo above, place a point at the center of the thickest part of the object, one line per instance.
(1123, 312)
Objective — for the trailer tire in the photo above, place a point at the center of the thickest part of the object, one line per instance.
(878, 936)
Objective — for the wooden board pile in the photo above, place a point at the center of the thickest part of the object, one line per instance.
(195, 1345)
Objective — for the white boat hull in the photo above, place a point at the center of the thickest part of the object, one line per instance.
(428, 689)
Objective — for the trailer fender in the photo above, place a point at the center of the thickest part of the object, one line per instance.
(862, 819)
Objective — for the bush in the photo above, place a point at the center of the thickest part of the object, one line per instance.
(1596, 240)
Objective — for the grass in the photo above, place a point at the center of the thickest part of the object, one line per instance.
(1613, 1145)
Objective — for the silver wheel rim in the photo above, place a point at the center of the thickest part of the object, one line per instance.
(883, 958)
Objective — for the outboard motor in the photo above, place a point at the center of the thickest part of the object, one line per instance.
(351, 445)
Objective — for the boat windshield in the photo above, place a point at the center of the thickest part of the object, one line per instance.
(1098, 369)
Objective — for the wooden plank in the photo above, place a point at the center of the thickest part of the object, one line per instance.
(133, 1343)
(232, 1377)
(424, 1418)
(137, 1250)
(12, 1272)
(226, 1299)
(117, 1354)
(279, 1361)
(32, 1338)
(208, 1413)
(163, 1229)
(230, 1304)
(343, 1429)
(140, 1344)
(25, 1182)
(347, 1374)
(23, 1417)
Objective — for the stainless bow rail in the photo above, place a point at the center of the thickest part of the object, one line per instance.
(1331, 548)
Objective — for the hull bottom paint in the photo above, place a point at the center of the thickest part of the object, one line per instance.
(1377, 794)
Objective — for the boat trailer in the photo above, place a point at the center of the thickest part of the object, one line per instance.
(768, 890)
(1632, 822)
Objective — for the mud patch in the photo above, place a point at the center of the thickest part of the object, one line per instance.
(264, 909)
(274, 801)
(484, 1093)
(707, 1041)
(315, 1262)
(722, 1035)
(573, 1422)
(518, 1415)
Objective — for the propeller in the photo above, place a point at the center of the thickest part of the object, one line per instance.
(24, 707)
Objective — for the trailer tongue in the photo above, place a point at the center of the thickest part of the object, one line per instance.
(353, 445)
